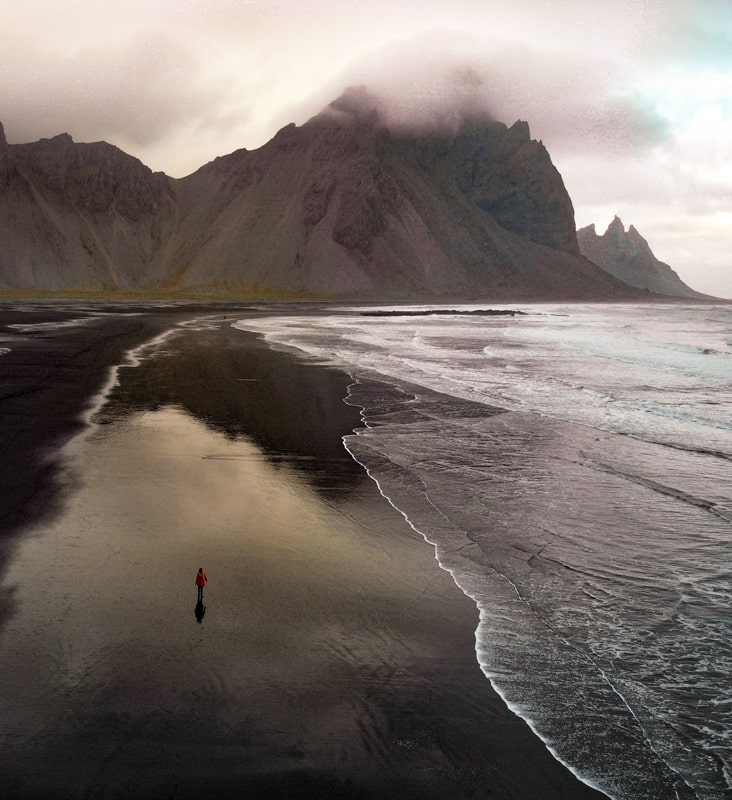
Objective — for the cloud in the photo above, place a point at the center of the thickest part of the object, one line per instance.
(694, 34)
(572, 101)
(180, 67)
(134, 93)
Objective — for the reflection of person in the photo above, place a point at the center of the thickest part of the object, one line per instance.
(201, 581)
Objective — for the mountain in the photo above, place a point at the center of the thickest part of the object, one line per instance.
(80, 216)
(627, 256)
(342, 206)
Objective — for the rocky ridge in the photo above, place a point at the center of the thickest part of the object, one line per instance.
(628, 256)
(342, 206)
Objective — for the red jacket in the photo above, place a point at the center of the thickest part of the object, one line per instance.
(201, 579)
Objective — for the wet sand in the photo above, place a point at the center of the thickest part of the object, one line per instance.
(46, 382)
(335, 659)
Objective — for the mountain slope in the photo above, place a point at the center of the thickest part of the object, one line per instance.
(341, 206)
(79, 215)
(627, 256)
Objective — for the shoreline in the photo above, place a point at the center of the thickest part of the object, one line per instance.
(412, 682)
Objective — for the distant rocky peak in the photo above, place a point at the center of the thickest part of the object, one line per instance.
(629, 242)
(615, 227)
(634, 235)
(61, 141)
(520, 131)
(628, 256)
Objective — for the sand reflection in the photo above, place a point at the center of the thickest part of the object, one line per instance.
(300, 602)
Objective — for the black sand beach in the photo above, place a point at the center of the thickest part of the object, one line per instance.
(335, 659)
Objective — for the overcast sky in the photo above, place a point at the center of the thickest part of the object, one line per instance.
(633, 98)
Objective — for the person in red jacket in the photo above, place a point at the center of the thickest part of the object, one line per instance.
(201, 581)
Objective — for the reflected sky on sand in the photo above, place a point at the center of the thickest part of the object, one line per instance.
(240, 387)
(104, 647)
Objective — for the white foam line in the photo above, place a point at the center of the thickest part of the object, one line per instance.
(132, 358)
(511, 706)
(34, 327)
(605, 677)
(479, 650)
(516, 710)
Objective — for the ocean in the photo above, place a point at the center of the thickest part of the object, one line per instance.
(572, 467)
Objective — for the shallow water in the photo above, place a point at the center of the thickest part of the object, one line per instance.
(573, 468)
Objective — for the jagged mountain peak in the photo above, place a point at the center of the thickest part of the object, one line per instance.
(615, 228)
(61, 139)
(628, 256)
(635, 236)
(520, 130)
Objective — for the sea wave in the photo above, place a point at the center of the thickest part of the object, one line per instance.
(587, 518)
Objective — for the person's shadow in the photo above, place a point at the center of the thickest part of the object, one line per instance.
(200, 611)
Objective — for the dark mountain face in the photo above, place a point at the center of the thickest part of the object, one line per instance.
(80, 216)
(94, 178)
(509, 175)
(341, 207)
(627, 256)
